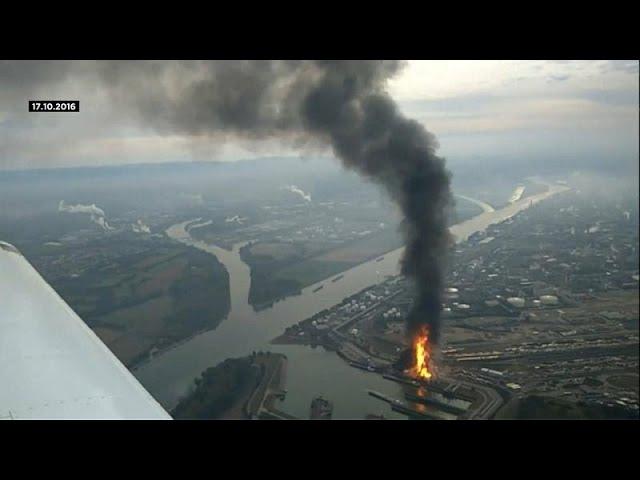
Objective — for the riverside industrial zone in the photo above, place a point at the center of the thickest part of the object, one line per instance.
(544, 304)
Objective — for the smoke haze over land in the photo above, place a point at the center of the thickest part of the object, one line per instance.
(342, 104)
(345, 105)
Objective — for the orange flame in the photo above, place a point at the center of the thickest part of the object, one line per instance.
(422, 353)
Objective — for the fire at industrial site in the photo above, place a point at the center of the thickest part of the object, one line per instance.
(422, 364)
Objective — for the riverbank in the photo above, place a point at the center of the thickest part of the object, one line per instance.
(236, 389)
(168, 375)
(327, 328)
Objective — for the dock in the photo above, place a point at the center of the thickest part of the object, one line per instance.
(364, 366)
(401, 407)
(435, 403)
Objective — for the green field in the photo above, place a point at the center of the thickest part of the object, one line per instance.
(625, 382)
(311, 271)
(273, 278)
(150, 300)
(535, 407)
(314, 269)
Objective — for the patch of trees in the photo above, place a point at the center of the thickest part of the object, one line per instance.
(217, 389)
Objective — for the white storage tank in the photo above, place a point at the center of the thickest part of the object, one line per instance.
(517, 302)
(549, 300)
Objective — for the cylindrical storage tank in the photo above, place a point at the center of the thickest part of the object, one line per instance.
(517, 302)
(549, 300)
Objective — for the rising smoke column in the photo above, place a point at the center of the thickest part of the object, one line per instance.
(370, 135)
(339, 103)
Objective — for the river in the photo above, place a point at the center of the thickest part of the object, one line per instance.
(310, 371)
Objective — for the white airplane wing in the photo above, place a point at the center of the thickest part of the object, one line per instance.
(52, 366)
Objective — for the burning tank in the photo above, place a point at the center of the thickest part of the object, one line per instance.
(417, 361)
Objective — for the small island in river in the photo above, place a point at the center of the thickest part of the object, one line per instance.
(237, 388)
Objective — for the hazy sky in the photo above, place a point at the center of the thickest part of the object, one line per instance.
(584, 113)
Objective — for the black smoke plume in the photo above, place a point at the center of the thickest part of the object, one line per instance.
(342, 103)
(339, 103)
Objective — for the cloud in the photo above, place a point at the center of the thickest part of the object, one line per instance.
(559, 78)
(626, 66)
(596, 100)
(628, 97)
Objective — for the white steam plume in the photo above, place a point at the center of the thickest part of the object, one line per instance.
(97, 215)
(296, 190)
